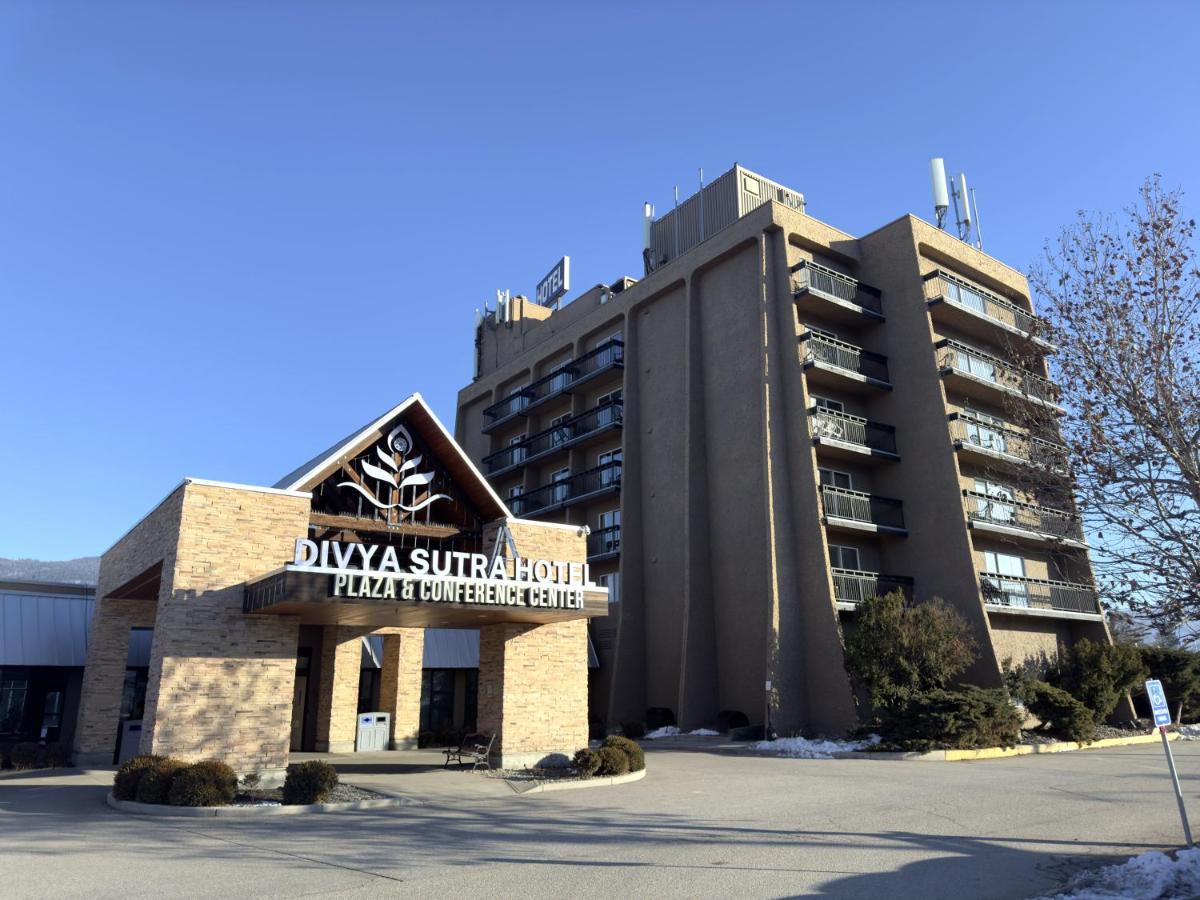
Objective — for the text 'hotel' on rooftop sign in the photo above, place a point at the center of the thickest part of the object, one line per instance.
(556, 283)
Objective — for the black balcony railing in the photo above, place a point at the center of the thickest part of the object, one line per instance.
(857, 506)
(854, 586)
(808, 276)
(559, 437)
(946, 287)
(604, 541)
(993, 510)
(1034, 593)
(973, 362)
(1001, 438)
(609, 355)
(847, 357)
(839, 426)
(568, 490)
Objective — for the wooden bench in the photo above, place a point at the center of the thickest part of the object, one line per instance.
(474, 749)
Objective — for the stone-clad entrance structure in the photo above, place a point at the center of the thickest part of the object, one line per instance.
(390, 531)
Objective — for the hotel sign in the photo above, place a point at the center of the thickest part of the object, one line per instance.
(556, 283)
(368, 571)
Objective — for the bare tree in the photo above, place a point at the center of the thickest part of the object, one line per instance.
(1121, 303)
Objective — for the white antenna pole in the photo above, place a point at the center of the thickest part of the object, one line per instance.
(675, 221)
(978, 227)
(701, 203)
(937, 177)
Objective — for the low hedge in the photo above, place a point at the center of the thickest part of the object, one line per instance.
(967, 718)
(24, 755)
(130, 772)
(1061, 714)
(309, 782)
(586, 762)
(206, 783)
(632, 749)
(613, 761)
(155, 783)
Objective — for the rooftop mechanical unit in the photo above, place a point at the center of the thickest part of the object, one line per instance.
(714, 207)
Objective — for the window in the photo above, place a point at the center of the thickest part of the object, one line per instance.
(562, 487)
(997, 503)
(13, 691)
(975, 365)
(834, 478)
(612, 581)
(562, 431)
(561, 380)
(959, 293)
(516, 452)
(609, 464)
(843, 557)
(987, 432)
(827, 404)
(608, 530)
(823, 332)
(1001, 567)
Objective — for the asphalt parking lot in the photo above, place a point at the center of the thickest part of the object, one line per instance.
(701, 824)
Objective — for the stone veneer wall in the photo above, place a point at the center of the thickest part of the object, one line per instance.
(337, 697)
(533, 678)
(221, 682)
(400, 684)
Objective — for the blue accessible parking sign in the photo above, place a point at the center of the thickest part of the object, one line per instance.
(1158, 702)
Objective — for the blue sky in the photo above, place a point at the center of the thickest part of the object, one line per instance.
(231, 232)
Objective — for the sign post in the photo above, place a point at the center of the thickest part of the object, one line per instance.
(1162, 718)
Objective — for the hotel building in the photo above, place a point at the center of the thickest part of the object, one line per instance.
(777, 421)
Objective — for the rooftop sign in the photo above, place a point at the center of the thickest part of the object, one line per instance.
(556, 283)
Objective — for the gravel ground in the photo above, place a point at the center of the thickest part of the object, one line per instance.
(343, 793)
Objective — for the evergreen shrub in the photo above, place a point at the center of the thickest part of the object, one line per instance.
(632, 749)
(206, 783)
(309, 782)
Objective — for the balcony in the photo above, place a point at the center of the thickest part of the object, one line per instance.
(838, 364)
(604, 543)
(980, 313)
(563, 380)
(597, 482)
(842, 299)
(852, 586)
(574, 432)
(857, 511)
(975, 374)
(1026, 522)
(1004, 593)
(993, 443)
(851, 437)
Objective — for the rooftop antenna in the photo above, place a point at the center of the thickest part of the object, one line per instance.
(675, 221)
(647, 243)
(962, 207)
(978, 227)
(701, 203)
(937, 175)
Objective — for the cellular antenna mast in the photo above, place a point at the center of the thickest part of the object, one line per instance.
(937, 176)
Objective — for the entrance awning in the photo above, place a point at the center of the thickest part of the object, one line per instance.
(454, 603)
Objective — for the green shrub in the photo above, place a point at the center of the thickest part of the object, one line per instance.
(126, 780)
(586, 762)
(155, 783)
(1179, 672)
(25, 755)
(58, 756)
(637, 756)
(896, 651)
(1098, 675)
(613, 761)
(1061, 714)
(966, 718)
(633, 730)
(309, 782)
(206, 783)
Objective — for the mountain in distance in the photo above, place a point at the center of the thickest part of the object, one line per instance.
(83, 570)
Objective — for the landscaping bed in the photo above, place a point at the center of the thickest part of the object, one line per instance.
(341, 793)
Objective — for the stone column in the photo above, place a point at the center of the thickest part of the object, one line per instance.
(533, 691)
(104, 678)
(337, 699)
(400, 685)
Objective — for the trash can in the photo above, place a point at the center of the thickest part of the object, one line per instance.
(373, 732)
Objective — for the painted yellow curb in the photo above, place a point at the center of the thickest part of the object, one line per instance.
(1002, 752)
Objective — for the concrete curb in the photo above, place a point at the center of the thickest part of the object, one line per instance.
(251, 812)
(603, 781)
(1002, 752)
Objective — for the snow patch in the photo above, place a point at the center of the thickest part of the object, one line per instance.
(803, 748)
(1149, 876)
(1189, 732)
(672, 731)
